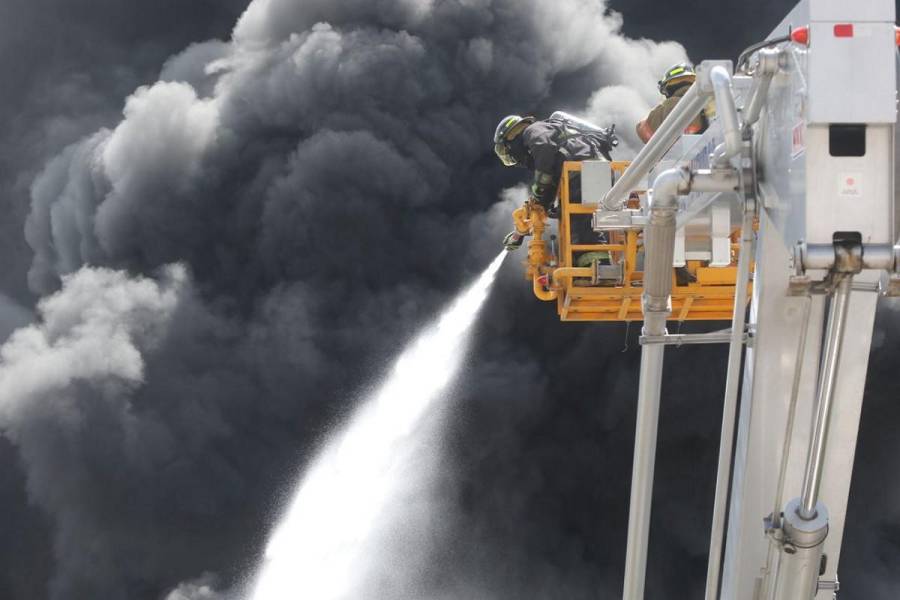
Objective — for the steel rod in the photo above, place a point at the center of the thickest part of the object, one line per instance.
(729, 409)
(834, 336)
(684, 339)
(792, 407)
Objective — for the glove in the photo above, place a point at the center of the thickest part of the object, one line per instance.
(512, 241)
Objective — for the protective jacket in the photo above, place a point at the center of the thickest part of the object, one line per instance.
(663, 109)
(545, 145)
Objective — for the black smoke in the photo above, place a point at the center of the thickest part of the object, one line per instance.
(264, 228)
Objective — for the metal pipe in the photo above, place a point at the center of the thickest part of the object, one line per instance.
(821, 256)
(563, 273)
(726, 111)
(539, 291)
(659, 246)
(673, 126)
(642, 473)
(659, 254)
(715, 180)
(729, 410)
(765, 70)
(684, 339)
(834, 337)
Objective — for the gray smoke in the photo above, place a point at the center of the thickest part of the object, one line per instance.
(227, 264)
(12, 316)
(325, 179)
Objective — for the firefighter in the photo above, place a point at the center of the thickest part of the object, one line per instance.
(543, 146)
(674, 85)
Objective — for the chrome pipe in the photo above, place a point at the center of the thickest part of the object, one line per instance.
(642, 472)
(834, 337)
(659, 245)
(715, 180)
(729, 410)
(659, 253)
(874, 256)
(686, 111)
(765, 70)
(726, 111)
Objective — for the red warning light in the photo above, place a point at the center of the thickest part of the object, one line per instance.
(897, 35)
(801, 35)
(843, 30)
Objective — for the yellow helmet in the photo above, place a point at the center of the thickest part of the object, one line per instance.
(677, 74)
(509, 128)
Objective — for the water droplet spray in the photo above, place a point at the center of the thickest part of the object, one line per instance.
(329, 535)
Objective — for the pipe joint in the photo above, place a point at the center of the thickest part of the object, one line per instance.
(667, 186)
(768, 61)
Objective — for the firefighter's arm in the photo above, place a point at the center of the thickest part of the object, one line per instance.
(655, 118)
(546, 162)
(644, 131)
(543, 189)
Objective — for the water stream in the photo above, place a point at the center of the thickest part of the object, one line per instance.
(330, 537)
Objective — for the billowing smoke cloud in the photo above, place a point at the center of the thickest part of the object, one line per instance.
(325, 178)
(12, 316)
(321, 182)
(67, 65)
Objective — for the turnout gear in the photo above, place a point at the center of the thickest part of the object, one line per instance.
(656, 116)
(674, 85)
(560, 138)
(509, 128)
(677, 76)
(543, 146)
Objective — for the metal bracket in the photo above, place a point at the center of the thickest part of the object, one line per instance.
(604, 220)
(606, 274)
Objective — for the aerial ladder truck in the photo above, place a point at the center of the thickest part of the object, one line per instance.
(781, 217)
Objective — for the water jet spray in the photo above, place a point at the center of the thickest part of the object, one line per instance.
(328, 538)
